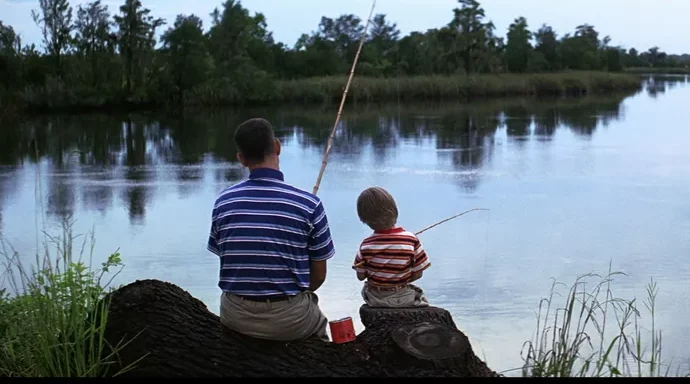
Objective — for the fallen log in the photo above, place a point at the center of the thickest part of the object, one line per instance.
(172, 334)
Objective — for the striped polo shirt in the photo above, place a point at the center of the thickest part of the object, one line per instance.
(391, 256)
(266, 232)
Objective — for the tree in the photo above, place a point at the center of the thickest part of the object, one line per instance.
(474, 33)
(93, 30)
(547, 45)
(344, 33)
(10, 57)
(228, 37)
(94, 40)
(655, 57)
(581, 50)
(518, 47)
(382, 44)
(10, 42)
(136, 40)
(185, 47)
(55, 21)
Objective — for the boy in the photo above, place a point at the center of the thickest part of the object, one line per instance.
(391, 258)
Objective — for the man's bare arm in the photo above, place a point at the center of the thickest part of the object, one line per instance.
(317, 274)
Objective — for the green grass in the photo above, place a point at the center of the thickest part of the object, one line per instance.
(455, 87)
(596, 334)
(53, 318)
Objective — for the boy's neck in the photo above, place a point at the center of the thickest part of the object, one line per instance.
(394, 229)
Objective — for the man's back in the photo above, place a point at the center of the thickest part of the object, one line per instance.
(266, 232)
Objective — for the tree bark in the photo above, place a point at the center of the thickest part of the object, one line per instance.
(175, 335)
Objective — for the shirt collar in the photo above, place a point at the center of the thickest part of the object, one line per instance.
(266, 173)
(390, 231)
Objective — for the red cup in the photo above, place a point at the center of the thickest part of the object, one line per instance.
(343, 330)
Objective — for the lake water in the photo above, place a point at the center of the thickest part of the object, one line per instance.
(572, 185)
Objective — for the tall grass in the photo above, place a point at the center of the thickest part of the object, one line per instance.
(459, 87)
(595, 334)
(266, 90)
(53, 316)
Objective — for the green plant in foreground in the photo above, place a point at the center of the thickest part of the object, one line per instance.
(53, 325)
(594, 335)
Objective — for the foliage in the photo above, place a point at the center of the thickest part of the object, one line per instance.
(103, 59)
(53, 323)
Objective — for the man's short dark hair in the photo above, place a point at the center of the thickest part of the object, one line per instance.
(255, 139)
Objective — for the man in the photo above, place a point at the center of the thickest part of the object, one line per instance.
(273, 241)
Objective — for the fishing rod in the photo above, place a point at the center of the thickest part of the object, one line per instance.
(436, 224)
(324, 162)
(331, 137)
(449, 219)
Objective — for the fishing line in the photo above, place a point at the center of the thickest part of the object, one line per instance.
(486, 257)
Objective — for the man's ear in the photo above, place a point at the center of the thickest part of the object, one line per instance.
(241, 159)
(278, 147)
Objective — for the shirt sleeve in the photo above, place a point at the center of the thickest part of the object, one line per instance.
(420, 260)
(320, 243)
(212, 237)
(359, 259)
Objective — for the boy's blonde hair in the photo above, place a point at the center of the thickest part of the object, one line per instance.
(376, 208)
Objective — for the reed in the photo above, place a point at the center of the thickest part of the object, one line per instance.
(595, 334)
(435, 88)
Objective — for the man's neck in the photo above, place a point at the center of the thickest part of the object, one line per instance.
(265, 164)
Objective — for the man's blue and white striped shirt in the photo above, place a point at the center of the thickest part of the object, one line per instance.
(266, 232)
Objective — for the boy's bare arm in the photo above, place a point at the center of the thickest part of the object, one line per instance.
(416, 276)
(359, 267)
(420, 262)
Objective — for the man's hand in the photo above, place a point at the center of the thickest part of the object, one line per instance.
(317, 274)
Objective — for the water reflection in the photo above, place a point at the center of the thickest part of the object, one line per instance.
(128, 155)
(658, 84)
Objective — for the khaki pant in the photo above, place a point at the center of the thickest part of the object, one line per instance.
(409, 296)
(297, 318)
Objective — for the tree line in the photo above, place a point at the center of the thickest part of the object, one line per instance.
(92, 57)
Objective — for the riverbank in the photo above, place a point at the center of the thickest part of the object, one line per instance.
(428, 88)
(363, 89)
(660, 71)
(39, 338)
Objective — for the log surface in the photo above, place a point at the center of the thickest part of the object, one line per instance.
(177, 336)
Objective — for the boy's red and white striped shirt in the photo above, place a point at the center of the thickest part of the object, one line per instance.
(390, 257)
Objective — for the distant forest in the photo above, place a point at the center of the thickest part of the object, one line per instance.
(93, 56)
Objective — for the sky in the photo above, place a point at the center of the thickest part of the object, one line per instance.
(629, 23)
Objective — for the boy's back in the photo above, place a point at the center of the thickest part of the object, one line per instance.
(391, 257)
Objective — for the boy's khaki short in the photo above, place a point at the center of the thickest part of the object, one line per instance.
(409, 296)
